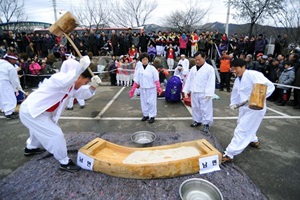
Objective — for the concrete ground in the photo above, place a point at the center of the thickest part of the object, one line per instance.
(274, 168)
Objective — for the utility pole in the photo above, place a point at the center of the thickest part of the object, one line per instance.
(227, 19)
(54, 8)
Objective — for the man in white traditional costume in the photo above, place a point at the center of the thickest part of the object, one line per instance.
(201, 84)
(147, 80)
(42, 108)
(9, 86)
(249, 120)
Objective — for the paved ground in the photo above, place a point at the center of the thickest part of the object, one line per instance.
(274, 168)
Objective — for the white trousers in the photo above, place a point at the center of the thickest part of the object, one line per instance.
(247, 125)
(170, 63)
(202, 109)
(44, 132)
(148, 99)
(193, 50)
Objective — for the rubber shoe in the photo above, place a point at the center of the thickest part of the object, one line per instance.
(206, 128)
(255, 145)
(32, 152)
(145, 118)
(195, 124)
(226, 159)
(69, 108)
(14, 115)
(151, 120)
(70, 167)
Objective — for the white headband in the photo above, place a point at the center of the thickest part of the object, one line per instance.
(10, 56)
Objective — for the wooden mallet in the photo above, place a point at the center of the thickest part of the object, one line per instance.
(64, 26)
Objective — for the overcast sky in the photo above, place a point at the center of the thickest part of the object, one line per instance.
(42, 10)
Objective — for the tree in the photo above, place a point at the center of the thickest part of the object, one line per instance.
(12, 10)
(186, 20)
(133, 13)
(255, 10)
(289, 18)
(93, 14)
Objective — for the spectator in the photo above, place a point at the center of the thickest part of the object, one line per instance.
(249, 120)
(143, 42)
(160, 42)
(183, 40)
(194, 43)
(30, 50)
(287, 77)
(201, 84)
(260, 44)
(112, 71)
(147, 80)
(294, 57)
(170, 55)
(225, 73)
(274, 75)
(163, 75)
(114, 42)
(152, 52)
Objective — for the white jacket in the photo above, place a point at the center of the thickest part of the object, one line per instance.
(242, 89)
(202, 81)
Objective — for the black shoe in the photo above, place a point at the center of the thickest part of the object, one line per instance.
(221, 90)
(13, 115)
(151, 120)
(70, 167)
(145, 118)
(195, 124)
(206, 128)
(82, 107)
(229, 90)
(69, 108)
(31, 152)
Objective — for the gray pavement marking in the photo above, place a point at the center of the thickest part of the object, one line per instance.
(109, 103)
(280, 113)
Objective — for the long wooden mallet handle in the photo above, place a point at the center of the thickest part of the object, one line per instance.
(77, 51)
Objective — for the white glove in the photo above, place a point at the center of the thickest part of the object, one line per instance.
(85, 62)
(233, 107)
(95, 81)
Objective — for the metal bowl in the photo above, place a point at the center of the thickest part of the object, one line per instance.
(143, 138)
(197, 188)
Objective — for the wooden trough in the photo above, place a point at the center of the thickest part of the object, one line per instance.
(102, 156)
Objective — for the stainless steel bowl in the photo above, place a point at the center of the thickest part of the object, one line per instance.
(197, 188)
(143, 138)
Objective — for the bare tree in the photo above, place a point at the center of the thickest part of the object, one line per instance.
(93, 14)
(12, 11)
(186, 20)
(255, 10)
(289, 18)
(133, 13)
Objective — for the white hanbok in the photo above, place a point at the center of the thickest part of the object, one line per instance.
(146, 78)
(201, 84)
(41, 122)
(248, 120)
(9, 84)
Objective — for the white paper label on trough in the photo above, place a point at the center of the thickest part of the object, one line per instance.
(84, 161)
(209, 164)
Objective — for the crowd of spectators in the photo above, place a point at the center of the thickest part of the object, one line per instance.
(34, 51)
